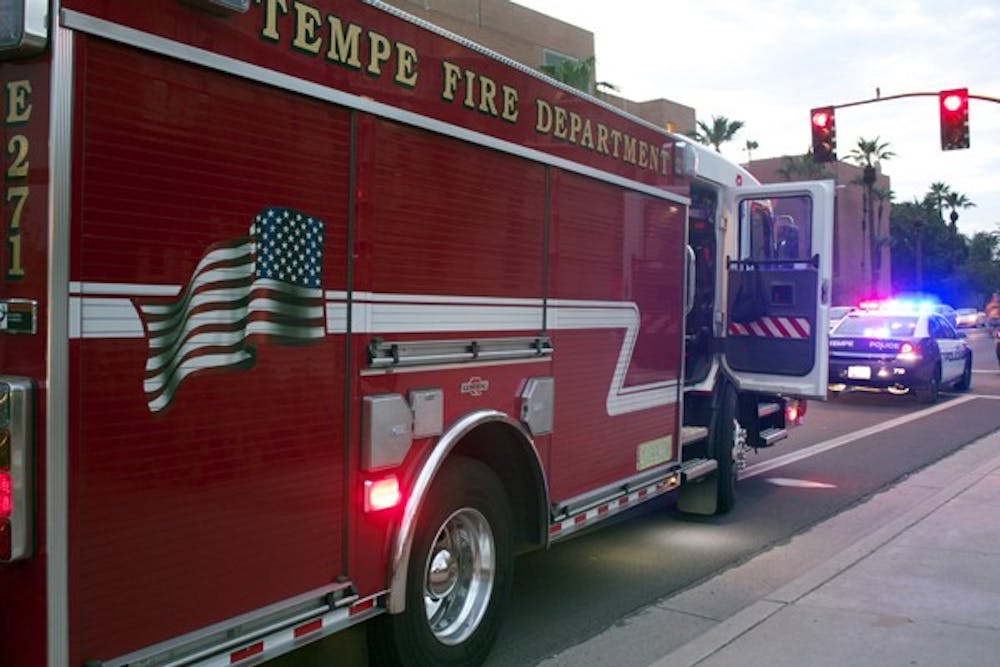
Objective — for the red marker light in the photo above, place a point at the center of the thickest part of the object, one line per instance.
(381, 494)
(792, 414)
(6, 495)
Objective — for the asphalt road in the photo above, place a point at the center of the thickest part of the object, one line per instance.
(847, 450)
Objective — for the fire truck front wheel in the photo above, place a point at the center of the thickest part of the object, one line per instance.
(459, 574)
(725, 430)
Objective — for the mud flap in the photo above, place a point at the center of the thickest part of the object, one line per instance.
(701, 497)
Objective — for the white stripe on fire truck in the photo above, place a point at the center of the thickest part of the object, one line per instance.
(107, 310)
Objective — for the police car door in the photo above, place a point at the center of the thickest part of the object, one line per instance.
(778, 288)
(952, 346)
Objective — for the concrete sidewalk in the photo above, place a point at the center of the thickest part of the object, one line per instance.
(910, 577)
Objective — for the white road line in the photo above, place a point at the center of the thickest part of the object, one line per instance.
(848, 438)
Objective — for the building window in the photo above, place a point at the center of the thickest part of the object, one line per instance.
(552, 58)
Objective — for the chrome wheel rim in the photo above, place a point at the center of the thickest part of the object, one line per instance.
(458, 576)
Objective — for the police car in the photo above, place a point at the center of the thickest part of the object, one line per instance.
(899, 347)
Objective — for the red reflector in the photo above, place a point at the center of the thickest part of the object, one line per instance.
(364, 605)
(246, 652)
(6, 495)
(308, 627)
(381, 494)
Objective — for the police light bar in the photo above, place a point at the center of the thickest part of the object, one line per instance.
(220, 6)
(23, 27)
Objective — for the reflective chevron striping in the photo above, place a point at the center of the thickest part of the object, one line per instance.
(773, 327)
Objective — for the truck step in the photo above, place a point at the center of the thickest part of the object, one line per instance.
(693, 434)
(772, 435)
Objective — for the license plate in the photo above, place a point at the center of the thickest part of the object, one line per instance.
(859, 373)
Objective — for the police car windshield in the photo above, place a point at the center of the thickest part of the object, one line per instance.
(878, 326)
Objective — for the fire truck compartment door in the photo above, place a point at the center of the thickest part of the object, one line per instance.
(778, 288)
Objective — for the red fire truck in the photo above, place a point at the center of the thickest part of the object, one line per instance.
(314, 313)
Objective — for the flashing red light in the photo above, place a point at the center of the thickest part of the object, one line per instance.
(821, 118)
(6, 495)
(908, 351)
(381, 494)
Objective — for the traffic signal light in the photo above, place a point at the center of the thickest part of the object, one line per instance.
(954, 107)
(824, 134)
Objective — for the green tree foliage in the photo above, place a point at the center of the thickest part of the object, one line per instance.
(802, 168)
(928, 255)
(719, 132)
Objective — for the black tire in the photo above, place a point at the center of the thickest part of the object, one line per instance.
(464, 534)
(930, 392)
(965, 381)
(722, 439)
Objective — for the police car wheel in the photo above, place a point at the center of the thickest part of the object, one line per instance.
(930, 392)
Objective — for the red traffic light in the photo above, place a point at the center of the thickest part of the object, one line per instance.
(821, 118)
(824, 134)
(954, 111)
(953, 102)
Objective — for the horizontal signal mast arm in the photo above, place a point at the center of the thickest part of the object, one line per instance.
(884, 98)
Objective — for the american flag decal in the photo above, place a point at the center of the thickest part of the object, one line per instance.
(266, 286)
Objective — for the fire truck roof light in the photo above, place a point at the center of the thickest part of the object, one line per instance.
(381, 494)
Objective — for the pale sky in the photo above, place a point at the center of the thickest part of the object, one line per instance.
(769, 62)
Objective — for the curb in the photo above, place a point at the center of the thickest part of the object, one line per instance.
(735, 626)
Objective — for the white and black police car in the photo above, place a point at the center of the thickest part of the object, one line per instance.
(898, 346)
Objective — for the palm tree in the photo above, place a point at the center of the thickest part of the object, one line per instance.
(802, 168)
(882, 196)
(719, 132)
(750, 148)
(955, 201)
(935, 196)
(867, 153)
